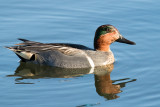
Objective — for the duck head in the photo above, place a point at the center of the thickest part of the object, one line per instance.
(107, 34)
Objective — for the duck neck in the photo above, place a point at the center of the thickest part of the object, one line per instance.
(101, 45)
(104, 48)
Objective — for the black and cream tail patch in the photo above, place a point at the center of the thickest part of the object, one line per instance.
(22, 54)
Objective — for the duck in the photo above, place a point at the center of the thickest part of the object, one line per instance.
(68, 55)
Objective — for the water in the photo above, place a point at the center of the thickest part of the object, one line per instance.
(134, 80)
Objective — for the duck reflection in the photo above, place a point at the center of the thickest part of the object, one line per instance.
(104, 85)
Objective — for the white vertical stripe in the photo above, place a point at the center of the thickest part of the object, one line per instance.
(91, 70)
(89, 60)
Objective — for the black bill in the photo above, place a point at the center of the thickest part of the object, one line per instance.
(124, 40)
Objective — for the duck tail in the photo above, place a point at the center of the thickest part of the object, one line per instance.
(24, 40)
(22, 54)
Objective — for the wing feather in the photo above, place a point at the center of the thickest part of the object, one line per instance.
(37, 47)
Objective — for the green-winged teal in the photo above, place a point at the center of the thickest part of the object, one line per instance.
(72, 55)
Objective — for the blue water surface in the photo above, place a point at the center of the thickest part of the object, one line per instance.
(134, 80)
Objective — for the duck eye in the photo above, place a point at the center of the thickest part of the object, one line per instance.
(109, 29)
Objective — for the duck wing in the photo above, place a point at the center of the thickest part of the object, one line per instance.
(27, 49)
